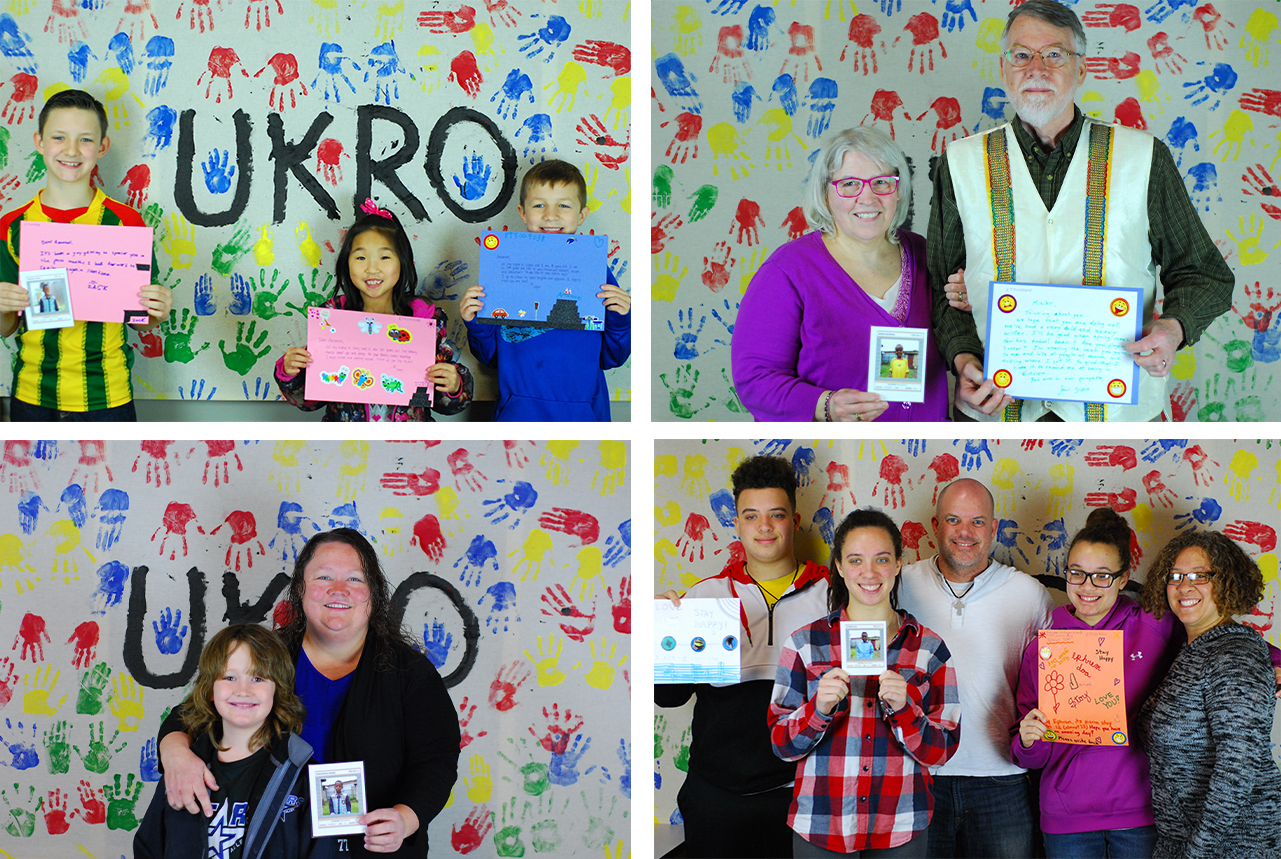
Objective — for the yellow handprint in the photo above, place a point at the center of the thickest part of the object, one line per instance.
(667, 515)
(180, 241)
(392, 522)
(733, 456)
(480, 786)
(613, 462)
(307, 247)
(688, 28)
(36, 700)
(780, 125)
(591, 175)
(601, 674)
(286, 470)
(537, 544)
(871, 449)
(1095, 99)
(694, 483)
(669, 277)
(351, 474)
(69, 539)
(589, 570)
(840, 7)
(13, 554)
(1248, 245)
(1239, 469)
(1003, 474)
(567, 82)
(389, 20)
(482, 37)
(1258, 35)
(264, 248)
(665, 465)
(626, 202)
(1144, 521)
(546, 665)
(727, 143)
(1062, 477)
(1275, 495)
(126, 702)
(117, 87)
(324, 14)
(1234, 130)
(663, 550)
(1150, 88)
(429, 62)
(620, 103)
(1184, 364)
(748, 266)
(558, 466)
(448, 508)
(989, 47)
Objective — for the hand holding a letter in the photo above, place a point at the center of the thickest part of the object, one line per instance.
(616, 299)
(158, 299)
(387, 828)
(472, 305)
(296, 360)
(1032, 728)
(833, 688)
(13, 300)
(893, 690)
(1155, 352)
(849, 404)
(445, 377)
(974, 390)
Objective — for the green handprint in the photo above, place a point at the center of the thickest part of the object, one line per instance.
(313, 297)
(22, 821)
(704, 201)
(682, 753)
(507, 840)
(663, 186)
(734, 404)
(98, 758)
(4, 148)
(92, 684)
(243, 358)
(55, 743)
(37, 170)
(177, 334)
(681, 391)
(265, 296)
(660, 728)
(227, 254)
(121, 802)
(152, 216)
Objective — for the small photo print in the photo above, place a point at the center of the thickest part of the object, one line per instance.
(896, 365)
(863, 647)
(50, 298)
(337, 798)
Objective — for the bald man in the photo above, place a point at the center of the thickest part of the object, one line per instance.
(987, 613)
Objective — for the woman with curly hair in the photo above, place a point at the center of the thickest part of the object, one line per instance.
(1216, 790)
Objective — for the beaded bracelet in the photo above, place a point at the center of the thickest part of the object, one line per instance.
(827, 407)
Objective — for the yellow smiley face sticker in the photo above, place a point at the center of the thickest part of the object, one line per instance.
(1119, 307)
(491, 242)
(1045, 652)
(1116, 388)
(1118, 737)
(1002, 378)
(1006, 303)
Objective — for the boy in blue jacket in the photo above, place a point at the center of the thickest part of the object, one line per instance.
(552, 374)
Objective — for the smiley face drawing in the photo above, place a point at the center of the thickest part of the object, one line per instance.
(491, 242)
(1006, 303)
(1002, 378)
(1119, 307)
(1118, 737)
(1116, 388)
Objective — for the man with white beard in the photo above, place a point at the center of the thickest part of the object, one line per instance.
(1035, 178)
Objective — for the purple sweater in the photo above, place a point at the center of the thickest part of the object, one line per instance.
(783, 359)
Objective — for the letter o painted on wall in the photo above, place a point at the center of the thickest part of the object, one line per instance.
(436, 148)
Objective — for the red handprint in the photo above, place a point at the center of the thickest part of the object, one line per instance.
(158, 451)
(329, 154)
(945, 468)
(800, 53)
(1121, 15)
(1167, 59)
(510, 677)
(863, 33)
(912, 534)
(286, 69)
(1112, 455)
(1129, 114)
(506, 12)
(573, 622)
(696, 527)
(1183, 400)
(559, 729)
(150, 344)
(838, 486)
(1254, 533)
(685, 139)
(201, 14)
(282, 615)
(1209, 19)
(1200, 461)
(17, 462)
(21, 104)
(448, 22)
(884, 103)
(244, 528)
(86, 638)
(660, 232)
(608, 54)
(263, 18)
(737, 556)
(1260, 316)
(222, 63)
(1158, 492)
(139, 179)
(418, 485)
(427, 536)
(1114, 68)
(91, 464)
(8, 182)
(1262, 101)
(178, 515)
(465, 713)
(796, 224)
(92, 809)
(1264, 186)
(716, 271)
(1122, 502)
(924, 28)
(65, 22)
(729, 55)
(464, 72)
(8, 679)
(576, 523)
(474, 829)
(216, 453)
(516, 455)
(949, 121)
(55, 812)
(892, 469)
(747, 216)
(31, 631)
(132, 21)
(593, 133)
(464, 472)
(622, 610)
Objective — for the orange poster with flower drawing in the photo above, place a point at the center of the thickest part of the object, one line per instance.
(1082, 686)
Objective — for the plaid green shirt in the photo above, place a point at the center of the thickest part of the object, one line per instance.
(1196, 281)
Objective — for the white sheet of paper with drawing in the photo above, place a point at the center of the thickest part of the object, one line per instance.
(697, 642)
(106, 266)
(1062, 342)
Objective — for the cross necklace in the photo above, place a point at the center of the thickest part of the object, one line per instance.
(958, 599)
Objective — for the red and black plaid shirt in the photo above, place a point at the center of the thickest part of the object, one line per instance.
(862, 780)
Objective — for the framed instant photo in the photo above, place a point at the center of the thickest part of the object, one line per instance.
(896, 364)
(50, 297)
(337, 798)
(863, 647)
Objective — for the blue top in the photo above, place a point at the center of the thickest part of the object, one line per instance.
(323, 699)
(553, 374)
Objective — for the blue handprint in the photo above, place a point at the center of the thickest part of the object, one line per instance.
(160, 54)
(149, 761)
(625, 780)
(170, 632)
(513, 505)
(436, 644)
(618, 268)
(1008, 534)
(475, 179)
(45, 450)
(1217, 82)
(618, 548)
(1162, 9)
(242, 299)
(822, 99)
(112, 508)
(13, 44)
(29, 507)
(219, 173)
(686, 347)
(825, 522)
(888, 8)
(972, 458)
(722, 501)
(24, 755)
(517, 85)
(758, 28)
(1181, 132)
(263, 390)
(1205, 185)
(1053, 540)
(1207, 512)
(539, 130)
(803, 466)
(111, 586)
(481, 553)
(78, 60)
(775, 446)
(197, 391)
(993, 107)
(1065, 446)
(731, 312)
(728, 7)
(678, 83)
(203, 296)
(122, 47)
(1160, 447)
(74, 497)
(443, 282)
(744, 95)
(915, 446)
(289, 530)
(345, 516)
(785, 88)
(502, 609)
(562, 770)
(546, 40)
(160, 120)
(953, 14)
(385, 65)
(330, 63)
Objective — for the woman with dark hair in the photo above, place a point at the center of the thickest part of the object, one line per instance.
(1216, 790)
(369, 696)
(864, 745)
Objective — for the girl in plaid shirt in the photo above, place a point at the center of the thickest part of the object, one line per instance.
(864, 744)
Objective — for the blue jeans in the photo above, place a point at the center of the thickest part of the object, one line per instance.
(981, 816)
(1136, 843)
(20, 411)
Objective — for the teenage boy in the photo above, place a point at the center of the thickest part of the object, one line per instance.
(82, 372)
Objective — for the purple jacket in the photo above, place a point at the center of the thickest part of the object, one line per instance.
(803, 328)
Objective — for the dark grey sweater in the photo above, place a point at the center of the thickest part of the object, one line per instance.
(1216, 790)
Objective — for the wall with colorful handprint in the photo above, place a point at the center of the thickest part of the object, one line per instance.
(118, 561)
(1043, 491)
(745, 92)
(248, 152)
